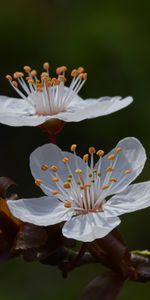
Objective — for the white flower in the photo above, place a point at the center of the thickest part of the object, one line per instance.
(80, 194)
(49, 98)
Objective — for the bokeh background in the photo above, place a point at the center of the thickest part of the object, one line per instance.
(111, 39)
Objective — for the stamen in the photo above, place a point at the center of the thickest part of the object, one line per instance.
(86, 157)
(99, 174)
(44, 167)
(9, 77)
(60, 70)
(55, 192)
(67, 185)
(65, 160)
(27, 69)
(33, 73)
(55, 179)
(54, 168)
(38, 182)
(94, 171)
(78, 171)
(15, 84)
(87, 184)
(105, 187)
(109, 169)
(78, 182)
(80, 70)
(90, 174)
(74, 73)
(113, 179)
(73, 147)
(92, 150)
(67, 204)
(100, 153)
(111, 157)
(118, 150)
(128, 171)
(46, 66)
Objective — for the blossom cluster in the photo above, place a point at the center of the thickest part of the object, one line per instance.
(87, 194)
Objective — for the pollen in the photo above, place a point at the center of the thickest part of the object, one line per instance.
(100, 153)
(92, 150)
(128, 171)
(53, 168)
(87, 184)
(78, 182)
(86, 157)
(113, 179)
(67, 185)
(67, 204)
(105, 187)
(94, 171)
(38, 182)
(55, 192)
(44, 167)
(55, 179)
(65, 160)
(78, 171)
(109, 169)
(111, 157)
(90, 175)
(73, 147)
(118, 150)
(27, 69)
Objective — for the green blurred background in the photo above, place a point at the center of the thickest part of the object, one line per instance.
(111, 39)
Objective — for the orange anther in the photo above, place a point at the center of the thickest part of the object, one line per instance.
(27, 69)
(111, 157)
(100, 153)
(92, 150)
(53, 168)
(38, 182)
(44, 167)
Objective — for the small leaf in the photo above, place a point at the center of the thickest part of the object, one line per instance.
(105, 287)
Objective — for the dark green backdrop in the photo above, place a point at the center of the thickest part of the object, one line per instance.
(111, 39)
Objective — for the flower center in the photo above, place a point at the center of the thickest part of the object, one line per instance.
(48, 95)
(84, 187)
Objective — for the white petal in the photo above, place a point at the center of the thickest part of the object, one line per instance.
(42, 211)
(132, 157)
(88, 109)
(18, 112)
(50, 154)
(134, 197)
(89, 227)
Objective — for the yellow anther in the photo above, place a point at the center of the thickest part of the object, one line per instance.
(99, 174)
(15, 84)
(60, 70)
(92, 150)
(111, 157)
(53, 168)
(86, 157)
(128, 171)
(46, 66)
(90, 174)
(74, 73)
(9, 77)
(105, 187)
(92, 180)
(27, 69)
(55, 179)
(67, 185)
(78, 182)
(109, 169)
(65, 160)
(44, 167)
(38, 182)
(112, 179)
(55, 192)
(67, 204)
(80, 70)
(69, 179)
(118, 150)
(33, 73)
(94, 171)
(87, 184)
(73, 147)
(100, 153)
(78, 171)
